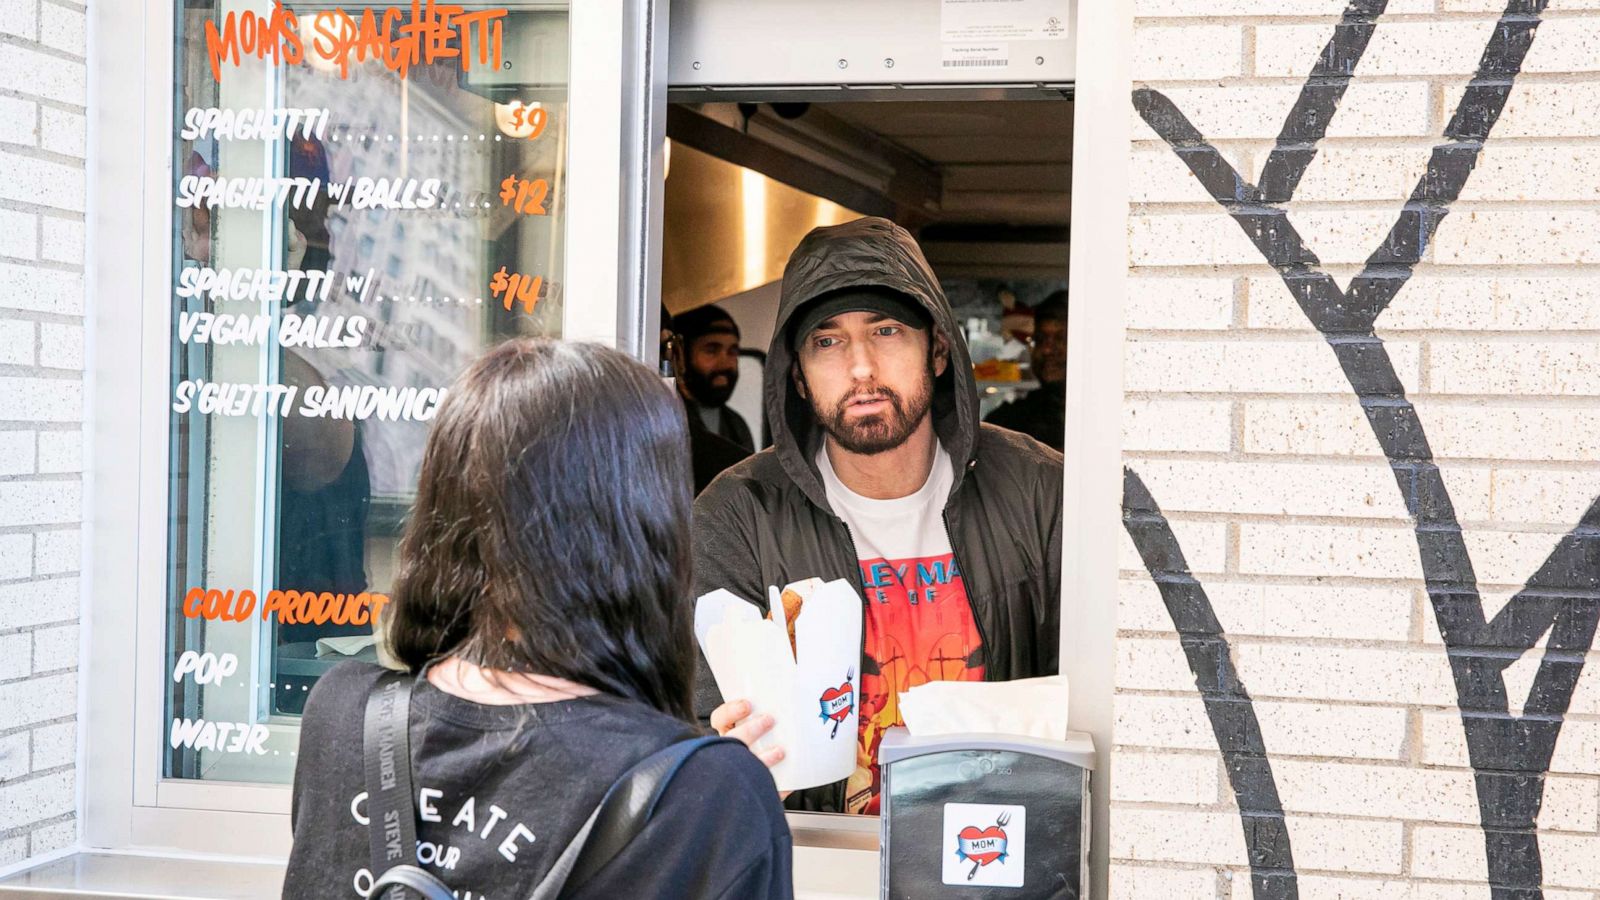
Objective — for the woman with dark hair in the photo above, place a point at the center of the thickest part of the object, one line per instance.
(540, 602)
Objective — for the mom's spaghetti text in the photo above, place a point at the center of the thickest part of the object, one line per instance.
(397, 37)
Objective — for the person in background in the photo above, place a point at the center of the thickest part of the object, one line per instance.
(325, 493)
(1042, 413)
(539, 606)
(710, 371)
(881, 474)
(308, 224)
(709, 453)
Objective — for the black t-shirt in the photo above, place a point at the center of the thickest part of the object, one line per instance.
(710, 453)
(1040, 414)
(503, 790)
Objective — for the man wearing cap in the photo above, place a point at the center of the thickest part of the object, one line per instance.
(881, 474)
(710, 371)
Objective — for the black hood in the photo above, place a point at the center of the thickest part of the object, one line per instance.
(869, 252)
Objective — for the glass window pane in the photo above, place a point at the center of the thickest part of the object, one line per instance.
(363, 202)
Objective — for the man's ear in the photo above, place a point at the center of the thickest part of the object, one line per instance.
(941, 351)
(799, 379)
(680, 358)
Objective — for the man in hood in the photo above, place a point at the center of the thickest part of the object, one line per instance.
(881, 474)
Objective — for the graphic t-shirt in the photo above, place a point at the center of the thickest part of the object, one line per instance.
(919, 624)
(502, 790)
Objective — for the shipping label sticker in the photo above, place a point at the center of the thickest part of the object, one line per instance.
(1004, 20)
(991, 55)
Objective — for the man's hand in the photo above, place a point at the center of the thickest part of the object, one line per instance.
(733, 719)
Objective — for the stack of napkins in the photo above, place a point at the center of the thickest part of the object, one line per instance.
(810, 685)
(1032, 707)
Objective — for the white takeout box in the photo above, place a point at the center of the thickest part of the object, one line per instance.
(814, 699)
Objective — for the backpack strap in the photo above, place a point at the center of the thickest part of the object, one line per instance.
(620, 815)
(391, 801)
(406, 876)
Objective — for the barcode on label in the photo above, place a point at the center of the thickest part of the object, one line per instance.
(969, 63)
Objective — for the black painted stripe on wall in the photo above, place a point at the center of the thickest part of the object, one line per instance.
(1228, 705)
(1308, 119)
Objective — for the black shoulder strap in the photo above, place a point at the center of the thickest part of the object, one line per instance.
(391, 803)
(621, 814)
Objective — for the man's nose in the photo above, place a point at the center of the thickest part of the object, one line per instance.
(863, 363)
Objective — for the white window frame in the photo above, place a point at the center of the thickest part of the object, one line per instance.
(1092, 497)
(617, 108)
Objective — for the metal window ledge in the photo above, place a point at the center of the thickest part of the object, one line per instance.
(114, 876)
(824, 871)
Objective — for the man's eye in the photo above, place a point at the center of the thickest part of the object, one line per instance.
(888, 330)
(823, 343)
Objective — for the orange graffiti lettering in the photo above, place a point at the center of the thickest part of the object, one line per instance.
(253, 34)
(398, 37)
(531, 120)
(290, 607)
(526, 197)
(433, 32)
(517, 288)
(219, 606)
(321, 608)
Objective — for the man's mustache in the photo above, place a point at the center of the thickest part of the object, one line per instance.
(870, 396)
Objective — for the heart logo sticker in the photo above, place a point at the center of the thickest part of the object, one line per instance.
(837, 702)
(982, 846)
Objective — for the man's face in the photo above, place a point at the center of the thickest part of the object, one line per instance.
(869, 378)
(1050, 351)
(711, 369)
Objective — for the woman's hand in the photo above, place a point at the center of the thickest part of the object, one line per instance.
(733, 719)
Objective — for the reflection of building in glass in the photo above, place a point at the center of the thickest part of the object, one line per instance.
(421, 254)
(446, 254)
(325, 497)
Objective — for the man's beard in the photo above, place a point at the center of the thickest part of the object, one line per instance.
(704, 391)
(870, 435)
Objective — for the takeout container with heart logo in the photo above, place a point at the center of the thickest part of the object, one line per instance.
(811, 689)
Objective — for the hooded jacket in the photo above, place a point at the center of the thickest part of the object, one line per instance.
(767, 520)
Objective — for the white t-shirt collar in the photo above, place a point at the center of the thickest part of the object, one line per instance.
(940, 477)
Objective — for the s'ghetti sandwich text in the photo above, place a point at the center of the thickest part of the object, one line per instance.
(351, 401)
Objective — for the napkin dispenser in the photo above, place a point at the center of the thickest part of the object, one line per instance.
(985, 816)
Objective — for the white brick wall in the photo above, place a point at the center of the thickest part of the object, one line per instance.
(1239, 420)
(42, 201)
(1139, 882)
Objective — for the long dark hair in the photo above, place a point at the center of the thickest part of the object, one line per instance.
(550, 532)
